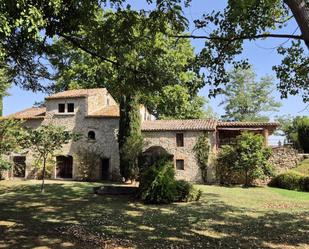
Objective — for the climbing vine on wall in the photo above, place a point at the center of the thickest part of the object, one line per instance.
(201, 150)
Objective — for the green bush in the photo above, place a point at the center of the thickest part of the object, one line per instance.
(186, 192)
(159, 186)
(157, 183)
(247, 158)
(291, 181)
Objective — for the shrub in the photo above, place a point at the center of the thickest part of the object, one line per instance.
(187, 192)
(4, 165)
(303, 133)
(50, 164)
(247, 157)
(291, 181)
(88, 159)
(201, 150)
(159, 186)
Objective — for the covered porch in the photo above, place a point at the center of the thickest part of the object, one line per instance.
(226, 132)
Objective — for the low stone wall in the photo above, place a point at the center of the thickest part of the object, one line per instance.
(284, 158)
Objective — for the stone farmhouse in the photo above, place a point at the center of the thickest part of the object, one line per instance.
(95, 114)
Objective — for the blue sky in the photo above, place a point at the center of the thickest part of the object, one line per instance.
(260, 53)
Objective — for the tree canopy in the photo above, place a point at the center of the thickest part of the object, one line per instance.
(246, 99)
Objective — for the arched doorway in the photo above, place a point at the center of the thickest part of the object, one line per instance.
(64, 167)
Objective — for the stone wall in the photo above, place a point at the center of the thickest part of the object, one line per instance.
(284, 158)
(167, 140)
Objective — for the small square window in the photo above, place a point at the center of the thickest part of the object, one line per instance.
(61, 108)
(180, 164)
(71, 107)
(179, 140)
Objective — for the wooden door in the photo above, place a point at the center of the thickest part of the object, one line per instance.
(105, 168)
(64, 167)
(19, 168)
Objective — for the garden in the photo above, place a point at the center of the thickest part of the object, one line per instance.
(69, 215)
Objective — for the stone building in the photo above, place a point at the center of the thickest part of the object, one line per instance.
(95, 114)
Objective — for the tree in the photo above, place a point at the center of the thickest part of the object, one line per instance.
(251, 20)
(5, 83)
(144, 61)
(45, 140)
(175, 102)
(303, 134)
(247, 99)
(247, 156)
(11, 137)
(295, 129)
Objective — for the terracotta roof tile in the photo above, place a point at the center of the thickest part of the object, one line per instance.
(179, 125)
(30, 113)
(108, 111)
(247, 124)
(78, 93)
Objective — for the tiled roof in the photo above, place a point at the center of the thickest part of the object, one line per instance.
(179, 125)
(247, 124)
(79, 93)
(30, 113)
(108, 111)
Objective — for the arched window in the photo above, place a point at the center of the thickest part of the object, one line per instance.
(91, 135)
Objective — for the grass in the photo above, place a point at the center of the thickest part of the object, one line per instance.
(303, 167)
(69, 215)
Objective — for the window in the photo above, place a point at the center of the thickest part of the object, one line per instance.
(179, 140)
(91, 135)
(70, 107)
(107, 101)
(180, 164)
(61, 108)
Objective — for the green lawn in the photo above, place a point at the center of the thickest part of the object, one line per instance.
(68, 215)
(303, 167)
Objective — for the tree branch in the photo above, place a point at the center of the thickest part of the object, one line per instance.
(87, 50)
(236, 38)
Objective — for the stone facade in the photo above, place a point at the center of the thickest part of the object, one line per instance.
(167, 140)
(96, 112)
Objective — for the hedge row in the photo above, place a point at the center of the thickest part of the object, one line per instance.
(291, 181)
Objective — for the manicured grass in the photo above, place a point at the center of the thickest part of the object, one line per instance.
(69, 215)
(303, 167)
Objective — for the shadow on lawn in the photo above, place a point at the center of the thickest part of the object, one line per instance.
(29, 219)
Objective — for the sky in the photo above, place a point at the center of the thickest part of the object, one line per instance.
(261, 55)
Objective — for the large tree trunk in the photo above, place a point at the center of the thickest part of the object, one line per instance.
(300, 10)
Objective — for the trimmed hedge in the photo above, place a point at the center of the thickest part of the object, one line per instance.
(291, 181)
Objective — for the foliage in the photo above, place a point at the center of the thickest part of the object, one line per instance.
(246, 99)
(248, 157)
(130, 139)
(296, 131)
(158, 184)
(11, 138)
(187, 192)
(291, 180)
(225, 172)
(47, 139)
(201, 149)
(250, 20)
(303, 134)
(175, 102)
(88, 159)
(49, 169)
